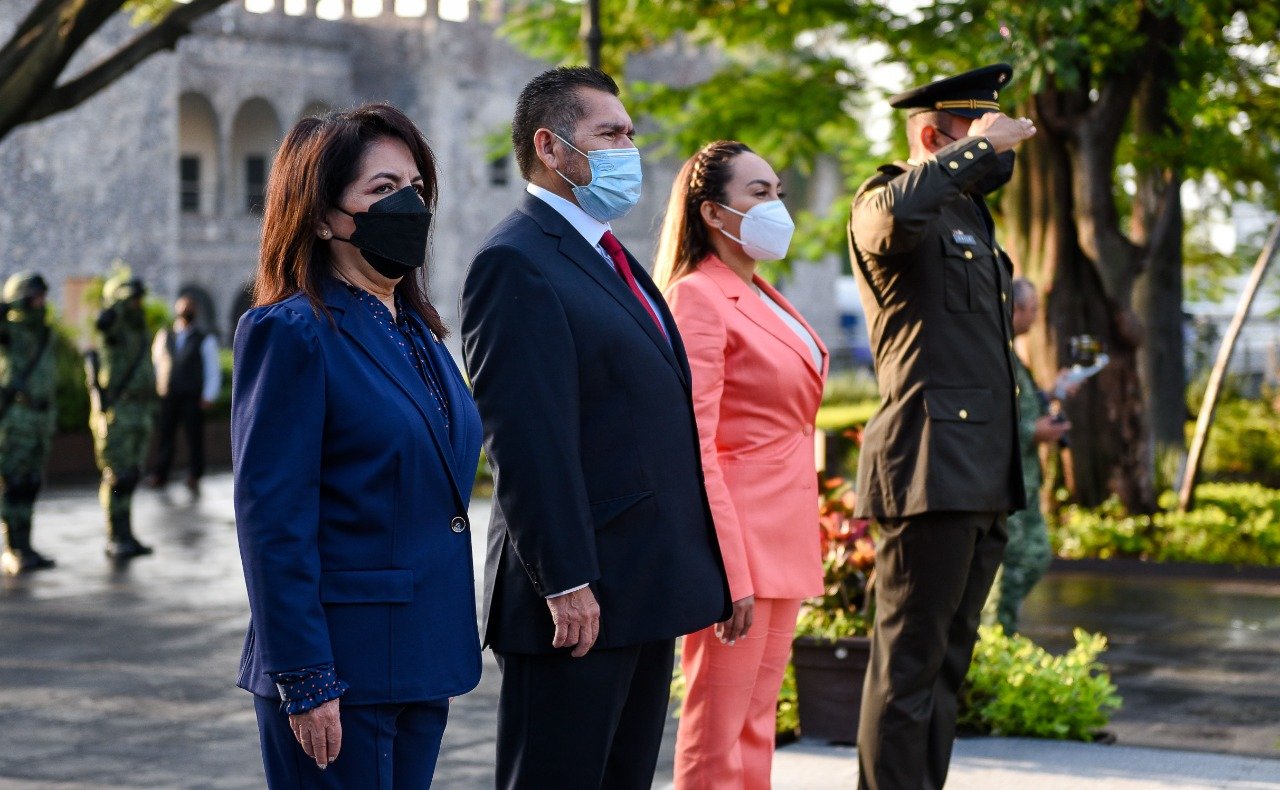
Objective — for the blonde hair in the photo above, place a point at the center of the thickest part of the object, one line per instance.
(685, 240)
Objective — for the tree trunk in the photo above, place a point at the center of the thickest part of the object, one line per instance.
(1156, 225)
(1055, 209)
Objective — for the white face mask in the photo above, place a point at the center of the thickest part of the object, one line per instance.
(766, 230)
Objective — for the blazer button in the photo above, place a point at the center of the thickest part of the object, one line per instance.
(964, 414)
(808, 430)
(459, 524)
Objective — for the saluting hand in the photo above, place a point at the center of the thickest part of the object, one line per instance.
(577, 619)
(1003, 132)
(319, 732)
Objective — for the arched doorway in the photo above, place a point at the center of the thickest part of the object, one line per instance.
(255, 135)
(197, 155)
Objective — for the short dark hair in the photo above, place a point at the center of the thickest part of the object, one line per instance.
(551, 101)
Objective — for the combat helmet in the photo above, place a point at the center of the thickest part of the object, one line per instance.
(121, 288)
(24, 285)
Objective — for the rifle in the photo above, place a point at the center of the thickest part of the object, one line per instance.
(92, 366)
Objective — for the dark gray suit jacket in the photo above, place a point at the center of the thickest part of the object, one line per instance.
(590, 431)
(936, 290)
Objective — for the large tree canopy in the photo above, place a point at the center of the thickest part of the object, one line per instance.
(34, 58)
(1133, 98)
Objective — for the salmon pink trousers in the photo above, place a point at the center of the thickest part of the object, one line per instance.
(726, 735)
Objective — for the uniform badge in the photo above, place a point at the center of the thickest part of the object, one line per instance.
(963, 237)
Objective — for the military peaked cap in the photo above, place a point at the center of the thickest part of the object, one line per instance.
(970, 94)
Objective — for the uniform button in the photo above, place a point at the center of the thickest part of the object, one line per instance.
(1004, 297)
(953, 165)
(1010, 344)
(968, 255)
(1017, 390)
(968, 154)
(458, 524)
(982, 145)
(964, 414)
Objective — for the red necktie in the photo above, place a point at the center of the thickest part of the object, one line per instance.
(614, 248)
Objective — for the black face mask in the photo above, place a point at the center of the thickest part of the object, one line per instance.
(392, 234)
(997, 176)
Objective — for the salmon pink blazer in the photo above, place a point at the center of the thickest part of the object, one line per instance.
(756, 393)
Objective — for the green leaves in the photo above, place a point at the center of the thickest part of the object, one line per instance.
(1017, 688)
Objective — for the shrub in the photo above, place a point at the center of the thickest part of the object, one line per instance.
(1244, 443)
(1015, 687)
(1233, 523)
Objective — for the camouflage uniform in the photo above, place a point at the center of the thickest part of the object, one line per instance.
(27, 414)
(123, 411)
(1028, 553)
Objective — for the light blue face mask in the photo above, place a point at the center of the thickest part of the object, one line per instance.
(615, 182)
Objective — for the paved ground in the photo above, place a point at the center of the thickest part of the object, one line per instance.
(120, 677)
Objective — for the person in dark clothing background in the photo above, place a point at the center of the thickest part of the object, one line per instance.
(188, 378)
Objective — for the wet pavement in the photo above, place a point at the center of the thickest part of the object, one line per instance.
(121, 677)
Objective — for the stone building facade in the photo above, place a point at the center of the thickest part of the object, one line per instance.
(165, 169)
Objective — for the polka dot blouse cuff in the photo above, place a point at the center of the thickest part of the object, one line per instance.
(304, 689)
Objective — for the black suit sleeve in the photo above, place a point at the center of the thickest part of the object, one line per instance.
(520, 355)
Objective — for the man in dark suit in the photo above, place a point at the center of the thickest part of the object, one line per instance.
(601, 548)
(939, 468)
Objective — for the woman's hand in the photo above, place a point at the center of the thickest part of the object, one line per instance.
(739, 623)
(319, 732)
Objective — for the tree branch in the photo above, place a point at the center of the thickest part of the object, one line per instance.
(164, 35)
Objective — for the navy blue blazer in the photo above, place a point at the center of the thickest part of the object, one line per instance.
(589, 428)
(351, 502)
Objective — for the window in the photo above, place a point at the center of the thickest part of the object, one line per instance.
(255, 183)
(500, 171)
(189, 184)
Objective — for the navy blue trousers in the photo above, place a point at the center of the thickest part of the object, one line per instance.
(384, 747)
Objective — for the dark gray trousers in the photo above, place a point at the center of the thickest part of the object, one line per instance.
(933, 572)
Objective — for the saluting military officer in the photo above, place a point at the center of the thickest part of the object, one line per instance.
(123, 388)
(27, 414)
(939, 467)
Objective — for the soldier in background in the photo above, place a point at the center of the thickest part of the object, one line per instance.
(1028, 553)
(27, 414)
(122, 387)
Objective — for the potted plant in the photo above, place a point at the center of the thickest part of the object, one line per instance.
(831, 648)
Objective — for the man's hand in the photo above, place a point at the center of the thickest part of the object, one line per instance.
(1048, 430)
(739, 623)
(319, 731)
(577, 619)
(1004, 133)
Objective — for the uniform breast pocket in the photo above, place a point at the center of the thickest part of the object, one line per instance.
(962, 278)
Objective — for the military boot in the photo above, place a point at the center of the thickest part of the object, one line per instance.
(18, 555)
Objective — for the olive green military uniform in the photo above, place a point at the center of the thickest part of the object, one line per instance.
(1028, 554)
(124, 408)
(27, 414)
(939, 468)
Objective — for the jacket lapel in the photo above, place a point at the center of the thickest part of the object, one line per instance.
(760, 314)
(574, 247)
(362, 328)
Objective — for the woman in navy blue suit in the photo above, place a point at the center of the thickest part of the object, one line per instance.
(355, 442)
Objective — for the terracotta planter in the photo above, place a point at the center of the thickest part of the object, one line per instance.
(829, 677)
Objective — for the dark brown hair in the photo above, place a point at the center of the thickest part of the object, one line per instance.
(685, 240)
(315, 164)
(551, 101)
